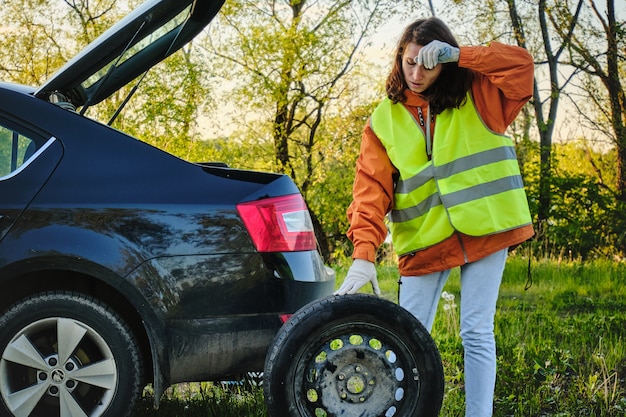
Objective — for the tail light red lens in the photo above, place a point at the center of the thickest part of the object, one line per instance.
(279, 224)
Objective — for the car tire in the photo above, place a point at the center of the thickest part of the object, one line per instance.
(353, 355)
(67, 354)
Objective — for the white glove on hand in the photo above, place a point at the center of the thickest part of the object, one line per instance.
(360, 273)
(436, 52)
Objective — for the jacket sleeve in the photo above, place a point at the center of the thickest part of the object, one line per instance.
(504, 83)
(372, 194)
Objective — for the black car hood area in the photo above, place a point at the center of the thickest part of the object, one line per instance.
(146, 36)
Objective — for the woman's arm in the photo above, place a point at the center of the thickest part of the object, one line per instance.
(372, 193)
(505, 76)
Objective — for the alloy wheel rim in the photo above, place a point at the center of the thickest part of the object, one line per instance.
(58, 364)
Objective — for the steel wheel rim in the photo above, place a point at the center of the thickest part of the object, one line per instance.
(351, 371)
(58, 365)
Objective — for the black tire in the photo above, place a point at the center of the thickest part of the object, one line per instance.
(66, 354)
(353, 355)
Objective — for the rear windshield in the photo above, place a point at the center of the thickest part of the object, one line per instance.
(161, 31)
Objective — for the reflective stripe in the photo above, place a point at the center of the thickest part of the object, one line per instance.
(483, 190)
(416, 181)
(476, 160)
(456, 167)
(410, 213)
(459, 197)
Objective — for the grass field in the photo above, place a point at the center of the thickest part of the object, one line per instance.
(561, 347)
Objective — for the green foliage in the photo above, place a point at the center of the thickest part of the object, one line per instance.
(30, 48)
(165, 110)
(330, 192)
(585, 219)
(579, 217)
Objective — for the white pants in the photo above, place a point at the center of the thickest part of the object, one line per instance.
(480, 283)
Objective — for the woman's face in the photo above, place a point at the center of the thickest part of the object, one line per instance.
(417, 77)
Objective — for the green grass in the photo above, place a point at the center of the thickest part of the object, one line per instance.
(203, 400)
(561, 347)
(561, 342)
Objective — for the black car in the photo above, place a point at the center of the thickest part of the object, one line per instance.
(123, 265)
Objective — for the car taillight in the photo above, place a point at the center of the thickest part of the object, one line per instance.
(279, 224)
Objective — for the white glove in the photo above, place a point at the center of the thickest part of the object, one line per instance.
(360, 273)
(436, 52)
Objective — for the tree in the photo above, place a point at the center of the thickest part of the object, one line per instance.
(294, 62)
(545, 120)
(596, 49)
(41, 36)
(33, 44)
(172, 95)
(595, 42)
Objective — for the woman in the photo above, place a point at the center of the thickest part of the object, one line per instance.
(434, 158)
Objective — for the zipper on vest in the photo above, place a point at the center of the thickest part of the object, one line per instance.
(426, 128)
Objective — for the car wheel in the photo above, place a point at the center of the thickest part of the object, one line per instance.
(353, 355)
(68, 355)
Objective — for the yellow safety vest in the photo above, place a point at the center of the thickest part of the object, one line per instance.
(472, 183)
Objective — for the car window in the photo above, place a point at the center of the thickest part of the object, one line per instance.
(149, 40)
(15, 150)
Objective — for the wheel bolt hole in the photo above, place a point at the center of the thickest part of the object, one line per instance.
(70, 384)
(69, 366)
(42, 376)
(52, 362)
(54, 390)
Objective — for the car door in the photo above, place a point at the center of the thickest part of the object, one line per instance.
(27, 159)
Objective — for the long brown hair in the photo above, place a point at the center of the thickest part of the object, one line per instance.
(450, 88)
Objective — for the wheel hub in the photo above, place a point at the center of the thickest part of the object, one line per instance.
(58, 375)
(355, 383)
(355, 375)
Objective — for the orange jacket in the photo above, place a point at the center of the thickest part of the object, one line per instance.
(504, 83)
